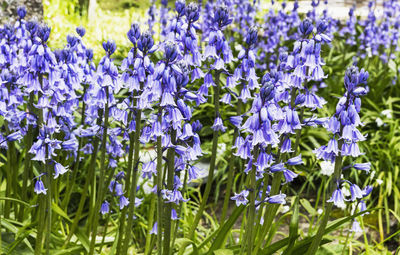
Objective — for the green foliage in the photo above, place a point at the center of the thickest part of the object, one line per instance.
(382, 148)
(65, 16)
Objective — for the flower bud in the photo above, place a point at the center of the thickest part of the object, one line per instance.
(180, 7)
(267, 92)
(109, 47)
(321, 26)
(170, 52)
(192, 12)
(80, 31)
(44, 33)
(306, 27)
(221, 16)
(252, 36)
(145, 42)
(72, 40)
(21, 11)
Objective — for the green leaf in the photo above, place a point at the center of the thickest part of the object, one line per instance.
(306, 204)
(73, 250)
(223, 252)
(60, 212)
(15, 200)
(83, 239)
(20, 239)
(184, 242)
(222, 231)
(303, 245)
(392, 66)
(293, 227)
(12, 228)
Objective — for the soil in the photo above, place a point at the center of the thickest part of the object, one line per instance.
(8, 10)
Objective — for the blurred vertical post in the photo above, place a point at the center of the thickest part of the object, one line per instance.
(92, 10)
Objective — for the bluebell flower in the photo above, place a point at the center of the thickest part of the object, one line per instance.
(193, 173)
(295, 161)
(21, 11)
(355, 227)
(105, 208)
(39, 187)
(277, 199)
(59, 170)
(123, 201)
(174, 215)
(241, 198)
(367, 190)
(355, 192)
(218, 125)
(15, 136)
(80, 31)
(338, 198)
(289, 175)
(154, 229)
(149, 169)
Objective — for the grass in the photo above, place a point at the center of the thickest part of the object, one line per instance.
(112, 21)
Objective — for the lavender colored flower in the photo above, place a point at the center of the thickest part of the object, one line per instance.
(105, 208)
(241, 198)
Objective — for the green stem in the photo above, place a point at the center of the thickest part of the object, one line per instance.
(42, 200)
(150, 225)
(105, 232)
(270, 210)
(179, 212)
(49, 197)
(132, 192)
(332, 186)
(212, 160)
(252, 206)
(264, 195)
(7, 204)
(101, 178)
(298, 134)
(75, 171)
(91, 170)
(11, 175)
(41, 225)
(170, 186)
(159, 188)
(316, 204)
(336, 176)
(27, 161)
(231, 170)
(128, 185)
(108, 214)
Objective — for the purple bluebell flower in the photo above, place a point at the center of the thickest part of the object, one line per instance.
(363, 166)
(149, 169)
(355, 192)
(241, 198)
(105, 208)
(277, 199)
(355, 227)
(218, 125)
(21, 11)
(123, 201)
(154, 229)
(338, 198)
(59, 170)
(39, 187)
(295, 161)
(80, 31)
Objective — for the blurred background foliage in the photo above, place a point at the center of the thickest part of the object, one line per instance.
(103, 20)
